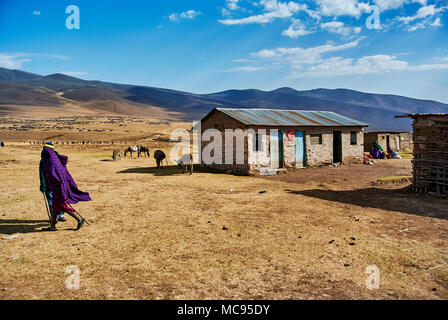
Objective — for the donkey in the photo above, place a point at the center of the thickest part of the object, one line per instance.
(159, 155)
(116, 155)
(144, 150)
(185, 161)
(130, 150)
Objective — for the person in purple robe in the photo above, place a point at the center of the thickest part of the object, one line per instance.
(375, 153)
(61, 184)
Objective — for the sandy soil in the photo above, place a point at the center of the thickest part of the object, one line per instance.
(159, 234)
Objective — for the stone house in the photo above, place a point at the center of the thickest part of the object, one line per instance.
(398, 141)
(280, 140)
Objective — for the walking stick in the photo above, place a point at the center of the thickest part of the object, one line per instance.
(47, 206)
(79, 214)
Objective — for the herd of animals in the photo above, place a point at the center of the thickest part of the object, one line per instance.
(184, 163)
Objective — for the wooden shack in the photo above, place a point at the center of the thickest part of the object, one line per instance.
(397, 140)
(430, 163)
(279, 140)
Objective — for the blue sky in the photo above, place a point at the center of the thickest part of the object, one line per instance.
(206, 46)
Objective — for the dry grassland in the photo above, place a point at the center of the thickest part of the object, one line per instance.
(159, 234)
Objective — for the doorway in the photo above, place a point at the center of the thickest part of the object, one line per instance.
(280, 148)
(387, 142)
(276, 148)
(337, 146)
(299, 141)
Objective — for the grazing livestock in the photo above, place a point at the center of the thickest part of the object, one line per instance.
(185, 161)
(130, 150)
(116, 155)
(159, 155)
(144, 150)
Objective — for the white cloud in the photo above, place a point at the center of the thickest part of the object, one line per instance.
(36, 13)
(417, 26)
(242, 60)
(232, 4)
(376, 64)
(273, 10)
(15, 60)
(74, 73)
(246, 69)
(395, 4)
(424, 17)
(436, 23)
(190, 14)
(297, 57)
(340, 28)
(12, 61)
(296, 29)
(311, 62)
(313, 14)
(423, 12)
(337, 8)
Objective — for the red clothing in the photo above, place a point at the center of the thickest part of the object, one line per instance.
(62, 207)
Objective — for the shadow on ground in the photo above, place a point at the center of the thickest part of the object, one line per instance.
(22, 226)
(400, 200)
(168, 170)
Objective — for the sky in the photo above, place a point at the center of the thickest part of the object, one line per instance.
(204, 46)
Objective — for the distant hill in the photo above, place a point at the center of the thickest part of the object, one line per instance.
(7, 75)
(18, 88)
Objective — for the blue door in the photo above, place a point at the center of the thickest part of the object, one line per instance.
(300, 148)
(274, 149)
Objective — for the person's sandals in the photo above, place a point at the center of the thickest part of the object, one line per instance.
(80, 224)
(50, 229)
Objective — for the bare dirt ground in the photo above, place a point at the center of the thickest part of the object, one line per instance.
(159, 234)
(348, 177)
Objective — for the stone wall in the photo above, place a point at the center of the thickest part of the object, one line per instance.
(319, 154)
(352, 153)
(221, 122)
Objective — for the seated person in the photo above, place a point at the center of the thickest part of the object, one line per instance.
(377, 151)
(393, 154)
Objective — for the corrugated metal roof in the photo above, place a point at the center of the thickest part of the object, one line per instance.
(414, 115)
(273, 117)
(387, 131)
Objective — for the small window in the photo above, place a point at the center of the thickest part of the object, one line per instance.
(316, 138)
(353, 138)
(258, 142)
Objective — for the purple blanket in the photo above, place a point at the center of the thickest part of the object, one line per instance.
(59, 180)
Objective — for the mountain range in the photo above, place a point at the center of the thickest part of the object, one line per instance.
(19, 90)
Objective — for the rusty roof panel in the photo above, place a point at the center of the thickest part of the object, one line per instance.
(273, 118)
